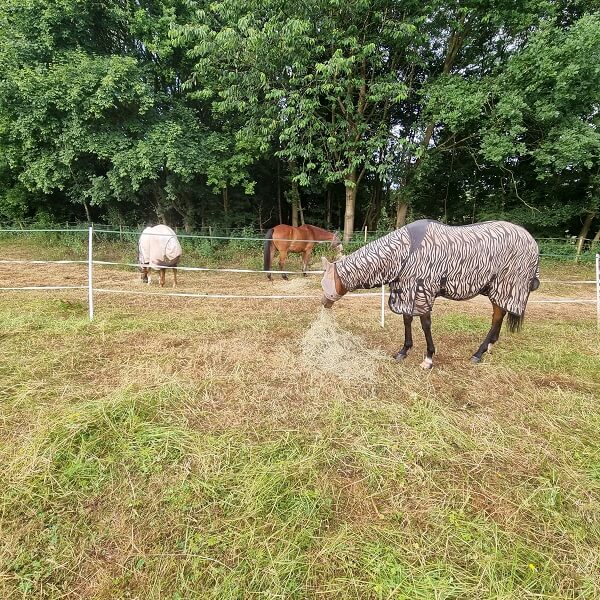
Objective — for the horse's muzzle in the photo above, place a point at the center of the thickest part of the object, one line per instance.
(327, 303)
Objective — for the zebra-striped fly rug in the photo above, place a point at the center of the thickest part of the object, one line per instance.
(427, 259)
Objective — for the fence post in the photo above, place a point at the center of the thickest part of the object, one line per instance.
(383, 305)
(598, 291)
(90, 273)
(365, 234)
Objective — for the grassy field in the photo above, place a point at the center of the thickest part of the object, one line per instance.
(181, 448)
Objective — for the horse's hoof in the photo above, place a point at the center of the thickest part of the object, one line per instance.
(427, 364)
(285, 277)
(399, 356)
(475, 360)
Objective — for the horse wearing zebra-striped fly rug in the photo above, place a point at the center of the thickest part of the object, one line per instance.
(427, 259)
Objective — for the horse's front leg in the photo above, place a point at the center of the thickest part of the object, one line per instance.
(408, 341)
(161, 277)
(426, 325)
(144, 275)
(493, 334)
(174, 277)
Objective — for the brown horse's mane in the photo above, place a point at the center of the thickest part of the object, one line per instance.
(327, 235)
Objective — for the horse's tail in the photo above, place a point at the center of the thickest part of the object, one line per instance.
(515, 321)
(267, 250)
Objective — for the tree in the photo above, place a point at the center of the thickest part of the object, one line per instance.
(320, 78)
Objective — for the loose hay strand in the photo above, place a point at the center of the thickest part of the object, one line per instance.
(327, 347)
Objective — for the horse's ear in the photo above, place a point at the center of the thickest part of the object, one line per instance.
(325, 263)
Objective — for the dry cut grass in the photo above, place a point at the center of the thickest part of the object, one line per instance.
(329, 348)
(185, 448)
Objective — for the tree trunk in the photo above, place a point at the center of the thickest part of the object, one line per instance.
(328, 213)
(87, 212)
(260, 221)
(350, 183)
(159, 207)
(454, 45)
(401, 210)
(189, 217)
(294, 208)
(374, 211)
(226, 204)
(584, 232)
(300, 209)
(279, 192)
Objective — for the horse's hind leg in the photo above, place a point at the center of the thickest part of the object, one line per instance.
(426, 325)
(174, 276)
(272, 250)
(305, 259)
(282, 259)
(493, 334)
(161, 277)
(408, 341)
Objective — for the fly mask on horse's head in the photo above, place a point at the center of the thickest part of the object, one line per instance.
(328, 283)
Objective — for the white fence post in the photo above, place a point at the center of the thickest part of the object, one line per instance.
(90, 273)
(598, 291)
(383, 305)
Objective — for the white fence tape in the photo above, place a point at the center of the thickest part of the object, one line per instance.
(213, 269)
(233, 296)
(136, 265)
(562, 301)
(44, 287)
(43, 262)
(358, 234)
(90, 263)
(228, 270)
(598, 291)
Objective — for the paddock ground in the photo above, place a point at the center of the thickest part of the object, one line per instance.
(184, 448)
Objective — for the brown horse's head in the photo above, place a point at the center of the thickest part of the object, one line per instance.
(336, 244)
(333, 288)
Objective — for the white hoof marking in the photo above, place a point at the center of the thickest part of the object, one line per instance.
(427, 363)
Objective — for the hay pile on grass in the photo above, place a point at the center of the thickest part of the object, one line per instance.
(292, 286)
(328, 348)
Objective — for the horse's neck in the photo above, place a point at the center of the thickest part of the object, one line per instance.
(380, 261)
(320, 234)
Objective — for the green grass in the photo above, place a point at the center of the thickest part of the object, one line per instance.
(186, 451)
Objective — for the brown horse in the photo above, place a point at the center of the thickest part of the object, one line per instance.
(286, 238)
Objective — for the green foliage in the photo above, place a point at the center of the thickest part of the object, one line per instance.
(195, 113)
